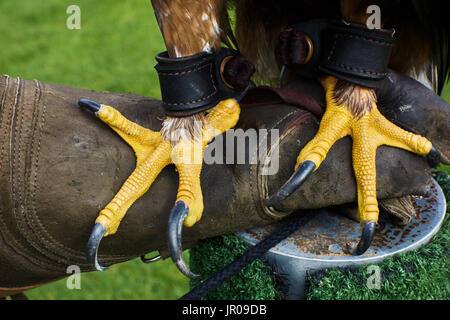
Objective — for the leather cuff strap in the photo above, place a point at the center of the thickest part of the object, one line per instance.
(194, 83)
(356, 53)
(347, 51)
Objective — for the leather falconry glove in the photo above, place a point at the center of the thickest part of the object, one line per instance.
(59, 167)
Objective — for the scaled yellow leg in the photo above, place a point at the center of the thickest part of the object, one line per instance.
(134, 187)
(142, 140)
(397, 137)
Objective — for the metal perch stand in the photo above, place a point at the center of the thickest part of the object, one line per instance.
(320, 243)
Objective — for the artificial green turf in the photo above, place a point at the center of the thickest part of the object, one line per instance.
(254, 282)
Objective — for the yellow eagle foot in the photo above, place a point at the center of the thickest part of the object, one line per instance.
(369, 129)
(153, 153)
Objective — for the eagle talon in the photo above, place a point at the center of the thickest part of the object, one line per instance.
(293, 183)
(174, 235)
(92, 246)
(153, 153)
(433, 157)
(367, 234)
(352, 111)
(89, 105)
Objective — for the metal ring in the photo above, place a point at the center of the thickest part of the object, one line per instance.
(222, 68)
(150, 260)
(310, 49)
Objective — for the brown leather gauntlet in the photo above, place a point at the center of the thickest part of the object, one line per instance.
(59, 166)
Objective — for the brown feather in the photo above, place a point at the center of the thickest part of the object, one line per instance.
(358, 100)
(184, 128)
(188, 28)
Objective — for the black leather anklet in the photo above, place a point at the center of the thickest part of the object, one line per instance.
(357, 54)
(347, 51)
(193, 84)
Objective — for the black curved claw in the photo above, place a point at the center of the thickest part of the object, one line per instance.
(367, 234)
(433, 157)
(295, 181)
(92, 246)
(176, 219)
(90, 105)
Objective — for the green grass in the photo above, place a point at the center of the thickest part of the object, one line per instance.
(113, 51)
(254, 282)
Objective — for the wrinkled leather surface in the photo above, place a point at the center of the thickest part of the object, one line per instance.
(415, 108)
(60, 165)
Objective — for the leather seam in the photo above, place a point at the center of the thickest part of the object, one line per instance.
(353, 68)
(198, 100)
(184, 72)
(262, 180)
(35, 156)
(1, 116)
(12, 153)
(36, 225)
(16, 246)
(4, 98)
(22, 219)
(50, 243)
(15, 154)
(5, 131)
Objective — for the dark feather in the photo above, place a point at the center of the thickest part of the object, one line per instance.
(434, 18)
